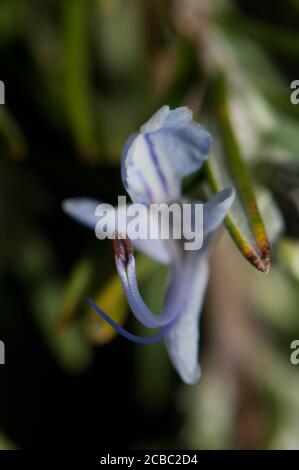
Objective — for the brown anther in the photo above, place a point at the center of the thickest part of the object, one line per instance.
(122, 247)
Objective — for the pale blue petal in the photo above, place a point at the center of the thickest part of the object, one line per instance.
(124, 157)
(156, 121)
(163, 117)
(169, 147)
(215, 210)
(166, 118)
(182, 341)
(155, 249)
(178, 117)
(83, 211)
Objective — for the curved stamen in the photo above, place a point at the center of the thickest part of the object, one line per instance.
(126, 334)
(125, 264)
(169, 312)
(144, 315)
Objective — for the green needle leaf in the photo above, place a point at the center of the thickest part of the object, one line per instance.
(227, 168)
(78, 99)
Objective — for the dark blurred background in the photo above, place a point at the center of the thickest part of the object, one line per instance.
(80, 76)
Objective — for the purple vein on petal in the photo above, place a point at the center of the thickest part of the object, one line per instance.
(156, 163)
(147, 190)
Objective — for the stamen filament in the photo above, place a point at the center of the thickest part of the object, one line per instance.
(126, 334)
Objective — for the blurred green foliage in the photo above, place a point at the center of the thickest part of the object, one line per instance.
(80, 77)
